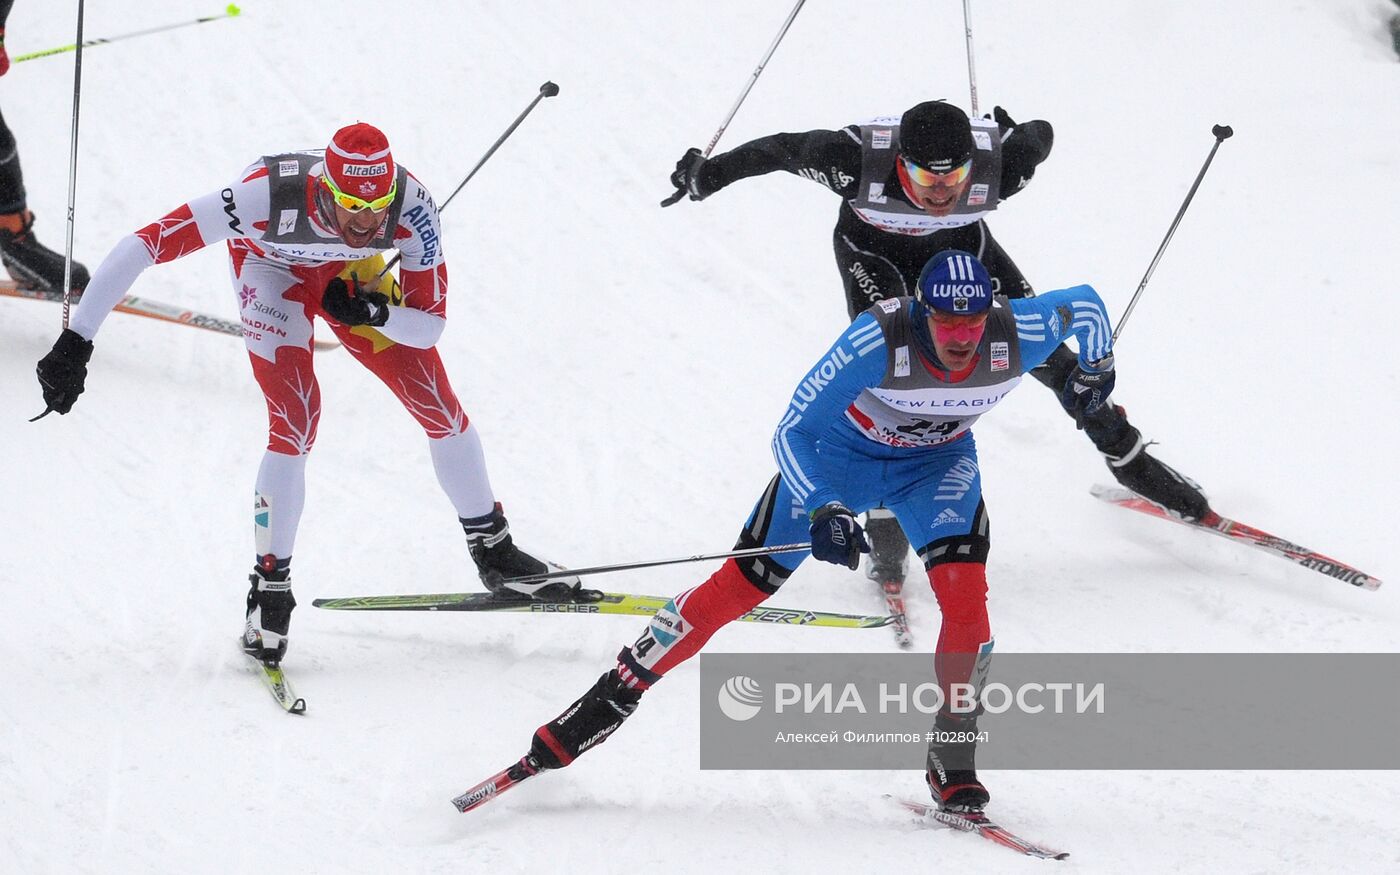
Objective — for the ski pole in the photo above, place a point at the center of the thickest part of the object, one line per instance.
(231, 12)
(971, 72)
(680, 192)
(73, 171)
(653, 563)
(548, 89)
(1222, 133)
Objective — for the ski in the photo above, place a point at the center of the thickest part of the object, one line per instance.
(1236, 531)
(610, 603)
(893, 591)
(978, 822)
(149, 309)
(277, 683)
(497, 784)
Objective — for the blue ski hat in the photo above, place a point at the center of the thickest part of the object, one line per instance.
(955, 282)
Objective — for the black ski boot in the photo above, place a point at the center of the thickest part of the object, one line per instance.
(497, 559)
(889, 549)
(1395, 31)
(584, 724)
(888, 563)
(952, 768)
(269, 617)
(1132, 466)
(31, 263)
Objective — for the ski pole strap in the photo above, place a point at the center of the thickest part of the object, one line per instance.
(231, 11)
(653, 563)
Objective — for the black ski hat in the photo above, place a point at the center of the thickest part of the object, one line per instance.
(935, 135)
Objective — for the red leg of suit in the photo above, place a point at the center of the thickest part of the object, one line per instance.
(961, 590)
(676, 635)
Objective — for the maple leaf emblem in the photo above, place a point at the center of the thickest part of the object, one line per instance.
(173, 235)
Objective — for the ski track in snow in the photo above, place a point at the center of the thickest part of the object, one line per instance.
(626, 365)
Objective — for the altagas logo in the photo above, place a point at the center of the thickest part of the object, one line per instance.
(741, 698)
(365, 169)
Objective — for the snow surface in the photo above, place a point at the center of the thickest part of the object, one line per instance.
(626, 366)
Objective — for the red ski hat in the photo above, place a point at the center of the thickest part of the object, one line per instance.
(358, 162)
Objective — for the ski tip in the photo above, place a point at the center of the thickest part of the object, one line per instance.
(297, 707)
(462, 804)
(475, 797)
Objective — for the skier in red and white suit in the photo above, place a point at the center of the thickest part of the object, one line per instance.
(293, 222)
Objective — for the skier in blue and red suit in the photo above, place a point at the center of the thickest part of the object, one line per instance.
(884, 417)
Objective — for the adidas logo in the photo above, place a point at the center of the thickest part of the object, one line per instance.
(947, 517)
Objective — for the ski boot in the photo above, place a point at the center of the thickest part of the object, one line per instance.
(1136, 469)
(31, 263)
(889, 549)
(952, 768)
(887, 566)
(270, 604)
(584, 724)
(498, 559)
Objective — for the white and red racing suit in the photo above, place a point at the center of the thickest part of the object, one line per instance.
(282, 253)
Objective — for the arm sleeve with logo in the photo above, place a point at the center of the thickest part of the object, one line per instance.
(854, 363)
(1043, 323)
(239, 210)
(422, 273)
(829, 157)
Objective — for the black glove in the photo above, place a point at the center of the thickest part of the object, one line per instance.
(837, 537)
(1029, 147)
(63, 371)
(686, 177)
(1001, 118)
(1087, 389)
(360, 308)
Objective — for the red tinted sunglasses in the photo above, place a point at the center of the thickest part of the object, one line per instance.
(921, 175)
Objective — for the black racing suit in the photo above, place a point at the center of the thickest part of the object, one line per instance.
(875, 263)
(11, 180)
